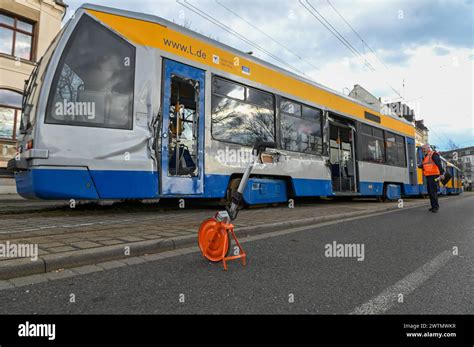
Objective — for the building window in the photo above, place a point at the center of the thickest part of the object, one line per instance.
(16, 36)
(10, 114)
(300, 127)
(371, 144)
(241, 114)
(395, 149)
(94, 81)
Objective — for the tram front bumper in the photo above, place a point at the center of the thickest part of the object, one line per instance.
(20, 162)
(55, 183)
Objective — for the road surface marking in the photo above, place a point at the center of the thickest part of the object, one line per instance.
(389, 297)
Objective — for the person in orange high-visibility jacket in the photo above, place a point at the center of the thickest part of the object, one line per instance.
(432, 170)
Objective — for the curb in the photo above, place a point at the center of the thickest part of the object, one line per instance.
(23, 267)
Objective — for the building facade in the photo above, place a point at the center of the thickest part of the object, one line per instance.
(26, 29)
(421, 132)
(361, 94)
(463, 158)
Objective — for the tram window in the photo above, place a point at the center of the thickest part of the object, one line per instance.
(395, 149)
(390, 137)
(300, 127)
(93, 84)
(240, 122)
(311, 113)
(371, 144)
(300, 135)
(227, 88)
(290, 107)
(377, 133)
(260, 98)
(366, 129)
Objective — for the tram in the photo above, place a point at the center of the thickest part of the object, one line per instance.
(126, 105)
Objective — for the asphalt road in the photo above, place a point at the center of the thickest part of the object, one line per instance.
(407, 252)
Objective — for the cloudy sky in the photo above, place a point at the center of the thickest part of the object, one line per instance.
(424, 49)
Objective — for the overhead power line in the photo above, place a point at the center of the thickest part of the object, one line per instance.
(267, 35)
(348, 45)
(321, 19)
(446, 144)
(228, 29)
(364, 43)
(355, 32)
(334, 31)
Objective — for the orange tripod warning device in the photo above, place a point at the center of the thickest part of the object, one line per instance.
(213, 235)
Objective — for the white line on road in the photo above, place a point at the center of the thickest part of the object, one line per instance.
(389, 297)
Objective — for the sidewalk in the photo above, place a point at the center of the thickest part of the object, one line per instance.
(69, 238)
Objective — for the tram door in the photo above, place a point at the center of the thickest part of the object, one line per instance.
(182, 130)
(342, 158)
(411, 161)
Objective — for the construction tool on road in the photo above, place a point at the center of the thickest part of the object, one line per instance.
(213, 235)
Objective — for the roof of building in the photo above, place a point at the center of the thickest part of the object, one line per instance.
(362, 94)
(461, 151)
(420, 124)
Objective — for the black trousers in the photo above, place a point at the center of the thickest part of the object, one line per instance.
(433, 191)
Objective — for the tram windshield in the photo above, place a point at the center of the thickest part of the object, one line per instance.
(93, 84)
(33, 84)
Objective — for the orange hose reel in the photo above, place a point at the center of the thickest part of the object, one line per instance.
(214, 242)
